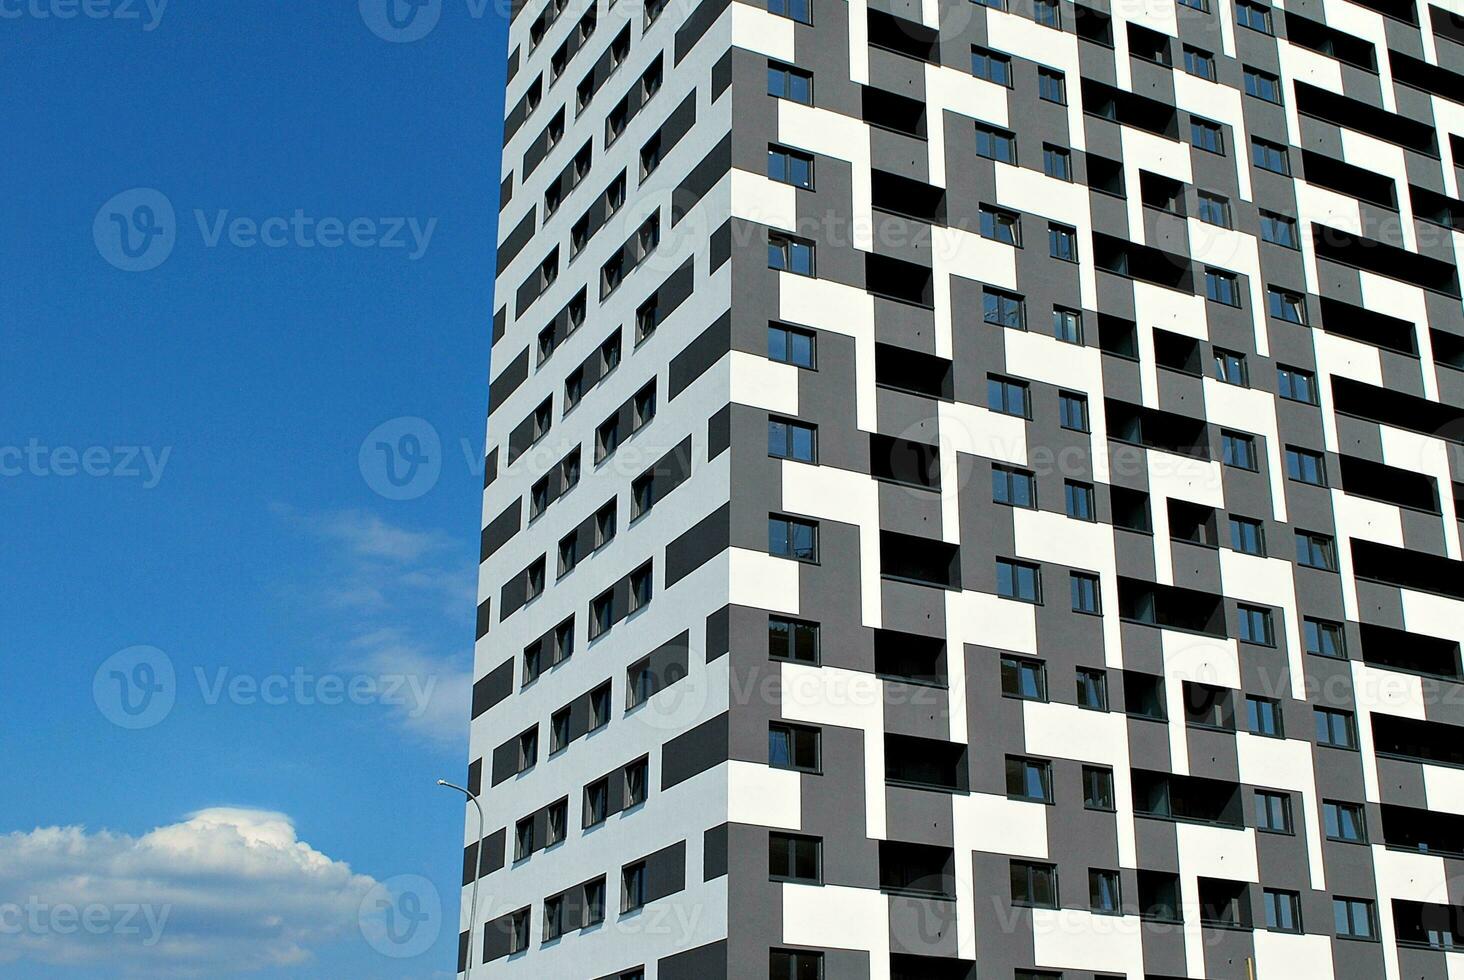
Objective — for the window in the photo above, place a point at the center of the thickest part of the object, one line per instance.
(1214, 209)
(534, 579)
(641, 584)
(605, 524)
(607, 437)
(518, 931)
(643, 407)
(794, 641)
(533, 662)
(594, 910)
(1253, 15)
(1098, 788)
(992, 66)
(574, 388)
(792, 9)
(1015, 488)
(602, 613)
(568, 553)
(1072, 411)
(569, 471)
(597, 802)
(1079, 500)
(791, 538)
(1201, 5)
(1324, 638)
(788, 439)
(523, 839)
(1034, 885)
(1199, 63)
(1239, 450)
(790, 167)
(1335, 728)
(787, 82)
(1222, 287)
(1052, 85)
(1263, 717)
(600, 707)
(1345, 821)
(996, 144)
(1305, 466)
(650, 156)
(1286, 305)
(1000, 226)
(1206, 135)
(1062, 242)
(789, 345)
(1316, 551)
(1029, 779)
(1279, 230)
(786, 964)
(794, 747)
(790, 255)
(609, 355)
(993, 4)
(636, 782)
(528, 749)
(1270, 156)
(558, 823)
(1262, 84)
(1248, 536)
(1023, 678)
(538, 498)
(1255, 625)
(1354, 918)
(1057, 162)
(795, 858)
(1008, 397)
(1296, 384)
(1092, 689)
(1004, 309)
(1018, 580)
(647, 318)
(1047, 13)
(1230, 367)
(632, 886)
(1103, 892)
(1283, 910)
(1085, 593)
(559, 731)
(563, 642)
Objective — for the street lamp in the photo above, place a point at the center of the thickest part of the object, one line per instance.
(473, 902)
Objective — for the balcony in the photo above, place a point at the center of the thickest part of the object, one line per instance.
(1188, 799)
(926, 763)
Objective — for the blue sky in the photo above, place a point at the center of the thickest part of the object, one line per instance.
(182, 469)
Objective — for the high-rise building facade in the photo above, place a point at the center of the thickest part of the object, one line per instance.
(972, 491)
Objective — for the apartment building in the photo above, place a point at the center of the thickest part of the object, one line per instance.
(972, 490)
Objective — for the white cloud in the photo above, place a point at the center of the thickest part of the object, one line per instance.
(225, 890)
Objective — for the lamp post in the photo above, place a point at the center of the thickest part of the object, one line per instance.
(473, 902)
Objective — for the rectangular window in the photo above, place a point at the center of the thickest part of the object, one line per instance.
(1316, 551)
(790, 255)
(1248, 536)
(1000, 226)
(1335, 728)
(1262, 84)
(787, 82)
(794, 747)
(1072, 411)
(1008, 397)
(788, 439)
(1079, 501)
(594, 909)
(1023, 678)
(795, 858)
(528, 749)
(1286, 305)
(1092, 689)
(1085, 593)
(1062, 243)
(1052, 85)
(1222, 287)
(1057, 162)
(1034, 885)
(1018, 580)
(1199, 63)
(790, 345)
(1103, 892)
(1239, 450)
(1305, 466)
(792, 538)
(1283, 910)
(1324, 638)
(640, 683)
(558, 823)
(786, 964)
(1004, 309)
(1355, 918)
(1253, 15)
(600, 707)
(1047, 13)
(1098, 788)
(1067, 325)
(792, 9)
(1230, 367)
(793, 640)
(597, 802)
(1270, 156)
(1273, 812)
(992, 66)
(1296, 384)
(1263, 717)
(1214, 209)
(518, 931)
(1206, 135)
(1029, 779)
(1279, 230)
(523, 839)
(641, 584)
(790, 167)
(632, 886)
(1015, 488)
(642, 495)
(558, 731)
(602, 613)
(1345, 822)
(1256, 626)
(996, 144)
(636, 782)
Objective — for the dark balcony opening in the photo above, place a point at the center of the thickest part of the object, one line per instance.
(1153, 429)
(1194, 523)
(892, 278)
(1160, 192)
(1434, 926)
(1448, 349)
(1417, 740)
(897, 194)
(906, 37)
(1397, 9)
(910, 464)
(913, 371)
(896, 112)
(1377, 481)
(908, 966)
(1207, 706)
(1445, 23)
(1176, 352)
(910, 657)
(1368, 326)
(1143, 263)
(1369, 255)
(1093, 25)
(1412, 652)
(1105, 175)
(1126, 108)
(1143, 696)
(1422, 75)
(1437, 208)
(1426, 831)
(1225, 904)
(1344, 178)
(1397, 408)
(926, 763)
(1159, 897)
(1131, 510)
(1316, 36)
(1408, 569)
(1355, 114)
(1118, 336)
(924, 561)
(921, 870)
(1171, 607)
(1188, 799)
(1149, 45)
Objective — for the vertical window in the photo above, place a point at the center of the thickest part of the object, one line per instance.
(528, 749)
(602, 613)
(1222, 287)
(641, 585)
(1305, 466)
(1335, 728)
(1004, 309)
(792, 538)
(1029, 779)
(1354, 918)
(1283, 910)
(1256, 626)
(605, 524)
(636, 782)
(794, 747)
(1067, 325)
(996, 144)
(600, 707)
(559, 731)
(523, 839)
(633, 886)
(597, 802)
(568, 553)
(1079, 501)
(594, 909)
(789, 345)
(788, 439)
(557, 823)
(1098, 788)
(607, 437)
(1072, 411)
(1092, 688)
(1206, 135)
(1324, 638)
(1018, 580)
(795, 858)
(1085, 593)
(1248, 536)
(1103, 892)
(792, 640)
(1239, 450)
(642, 494)
(790, 167)
(1023, 678)
(534, 579)
(1057, 162)
(787, 964)
(533, 662)
(790, 255)
(1062, 242)
(1263, 717)
(1008, 397)
(1034, 885)
(1273, 812)
(518, 931)
(643, 407)
(1015, 488)
(1296, 384)
(574, 388)
(787, 82)
(1345, 821)
(1052, 85)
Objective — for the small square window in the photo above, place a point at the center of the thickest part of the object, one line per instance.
(790, 345)
(790, 167)
(1263, 717)
(1057, 162)
(1067, 325)
(992, 66)
(1092, 688)
(1098, 788)
(1062, 243)
(1000, 226)
(1206, 135)
(1086, 598)
(1296, 384)
(1324, 638)
(787, 82)
(1286, 305)
(1029, 779)
(1073, 411)
(790, 439)
(1103, 892)
(996, 144)
(1256, 626)
(1283, 910)
(1214, 209)
(1316, 551)
(1017, 580)
(1239, 450)
(794, 747)
(1305, 466)
(1008, 397)
(1034, 885)
(1248, 536)
(1004, 309)
(1015, 488)
(1335, 728)
(1345, 822)
(1222, 287)
(795, 858)
(790, 255)
(793, 641)
(1279, 230)
(1051, 85)
(1079, 501)
(792, 538)
(1270, 156)
(1023, 678)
